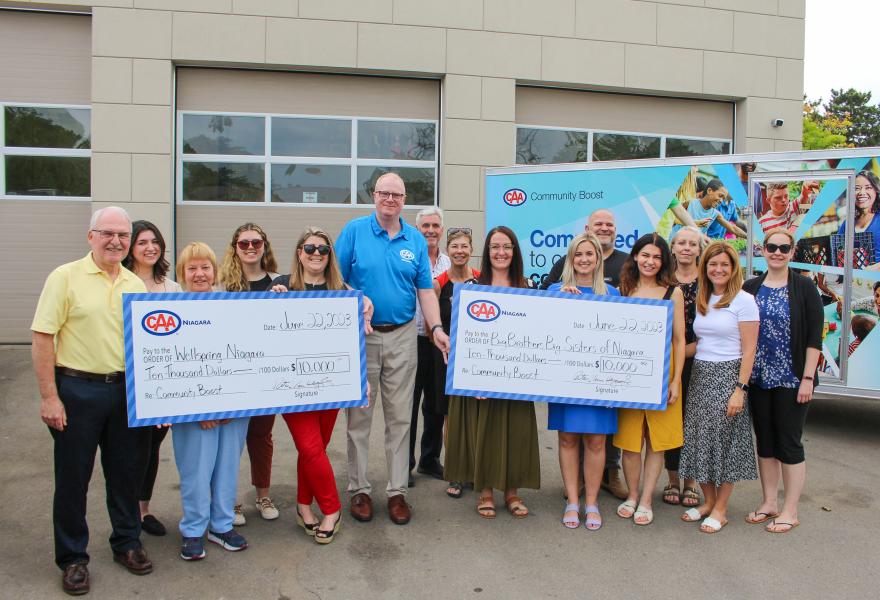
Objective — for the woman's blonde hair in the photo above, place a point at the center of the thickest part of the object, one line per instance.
(331, 272)
(701, 240)
(194, 251)
(569, 277)
(704, 286)
(232, 277)
(780, 231)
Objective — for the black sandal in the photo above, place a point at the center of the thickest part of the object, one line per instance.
(454, 489)
(309, 528)
(325, 537)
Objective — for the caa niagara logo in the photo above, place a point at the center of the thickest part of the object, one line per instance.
(483, 310)
(407, 255)
(514, 197)
(161, 322)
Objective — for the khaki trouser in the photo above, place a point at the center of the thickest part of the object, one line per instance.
(391, 370)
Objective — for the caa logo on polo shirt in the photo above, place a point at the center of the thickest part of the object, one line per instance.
(407, 255)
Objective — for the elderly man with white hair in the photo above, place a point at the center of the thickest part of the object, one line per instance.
(430, 223)
(79, 362)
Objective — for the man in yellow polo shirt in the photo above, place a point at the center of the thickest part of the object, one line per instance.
(79, 361)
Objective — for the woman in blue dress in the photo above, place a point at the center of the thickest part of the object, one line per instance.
(582, 274)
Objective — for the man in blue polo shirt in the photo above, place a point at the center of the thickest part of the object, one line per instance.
(388, 259)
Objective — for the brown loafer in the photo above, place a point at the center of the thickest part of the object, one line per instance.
(399, 510)
(75, 579)
(362, 507)
(135, 560)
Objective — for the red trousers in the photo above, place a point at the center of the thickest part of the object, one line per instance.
(259, 445)
(315, 480)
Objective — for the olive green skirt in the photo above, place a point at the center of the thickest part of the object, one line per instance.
(492, 443)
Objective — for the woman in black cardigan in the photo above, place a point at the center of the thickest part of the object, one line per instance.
(782, 382)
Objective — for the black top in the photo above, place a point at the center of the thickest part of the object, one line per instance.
(261, 285)
(310, 287)
(806, 313)
(689, 291)
(613, 265)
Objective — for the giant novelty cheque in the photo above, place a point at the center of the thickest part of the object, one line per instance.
(524, 344)
(194, 357)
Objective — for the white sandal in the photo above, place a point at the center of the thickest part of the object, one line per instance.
(647, 512)
(712, 524)
(628, 506)
(692, 515)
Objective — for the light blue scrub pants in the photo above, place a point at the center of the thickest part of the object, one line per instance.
(207, 460)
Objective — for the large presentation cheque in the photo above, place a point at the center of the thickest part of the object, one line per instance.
(194, 357)
(556, 347)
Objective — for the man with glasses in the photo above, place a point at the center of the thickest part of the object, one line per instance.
(388, 259)
(78, 359)
(430, 224)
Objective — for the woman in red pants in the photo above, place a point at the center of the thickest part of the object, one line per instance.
(314, 268)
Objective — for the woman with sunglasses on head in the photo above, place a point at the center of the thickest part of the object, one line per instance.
(314, 268)
(146, 259)
(583, 273)
(718, 448)
(493, 442)
(207, 453)
(783, 378)
(459, 247)
(648, 273)
(249, 266)
(687, 244)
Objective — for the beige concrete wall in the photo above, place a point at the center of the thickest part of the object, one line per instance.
(481, 50)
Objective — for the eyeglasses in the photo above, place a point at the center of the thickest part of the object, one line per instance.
(497, 247)
(383, 195)
(772, 248)
(109, 235)
(245, 244)
(310, 249)
(453, 230)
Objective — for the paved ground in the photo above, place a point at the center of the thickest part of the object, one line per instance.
(447, 551)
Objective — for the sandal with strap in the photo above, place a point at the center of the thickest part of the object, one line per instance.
(690, 497)
(572, 522)
(788, 526)
(454, 489)
(592, 524)
(712, 525)
(759, 517)
(323, 536)
(516, 507)
(671, 495)
(626, 509)
(646, 513)
(487, 511)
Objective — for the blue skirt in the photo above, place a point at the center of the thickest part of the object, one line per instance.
(577, 418)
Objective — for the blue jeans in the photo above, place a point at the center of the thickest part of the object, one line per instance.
(207, 460)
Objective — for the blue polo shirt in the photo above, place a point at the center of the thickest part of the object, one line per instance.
(387, 270)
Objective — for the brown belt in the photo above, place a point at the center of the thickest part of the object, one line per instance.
(387, 328)
(115, 377)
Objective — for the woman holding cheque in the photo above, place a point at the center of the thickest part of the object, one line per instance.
(314, 268)
(582, 274)
(718, 438)
(207, 453)
(493, 442)
(648, 273)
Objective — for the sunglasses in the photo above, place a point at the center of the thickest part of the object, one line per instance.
(245, 244)
(772, 248)
(310, 249)
(453, 230)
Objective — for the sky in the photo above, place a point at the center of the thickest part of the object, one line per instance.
(837, 57)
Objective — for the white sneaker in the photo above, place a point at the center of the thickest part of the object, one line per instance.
(238, 519)
(266, 508)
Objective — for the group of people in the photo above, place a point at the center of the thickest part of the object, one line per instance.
(744, 356)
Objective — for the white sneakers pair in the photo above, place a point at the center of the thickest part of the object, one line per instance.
(266, 507)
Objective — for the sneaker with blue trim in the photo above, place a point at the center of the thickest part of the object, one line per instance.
(230, 540)
(192, 548)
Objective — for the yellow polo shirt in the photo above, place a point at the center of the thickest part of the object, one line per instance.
(82, 308)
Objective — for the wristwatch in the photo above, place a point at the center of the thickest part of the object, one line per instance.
(743, 386)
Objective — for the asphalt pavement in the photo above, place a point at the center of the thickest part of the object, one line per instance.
(447, 551)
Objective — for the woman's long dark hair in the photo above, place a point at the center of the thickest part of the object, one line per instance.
(515, 271)
(160, 269)
(629, 273)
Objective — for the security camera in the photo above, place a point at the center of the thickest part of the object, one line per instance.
(777, 122)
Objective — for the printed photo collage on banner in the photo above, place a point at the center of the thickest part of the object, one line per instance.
(546, 207)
